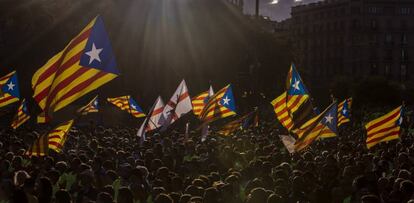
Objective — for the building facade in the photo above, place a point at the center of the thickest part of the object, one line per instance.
(354, 38)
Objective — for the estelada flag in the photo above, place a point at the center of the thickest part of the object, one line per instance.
(22, 115)
(9, 89)
(384, 128)
(85, 64)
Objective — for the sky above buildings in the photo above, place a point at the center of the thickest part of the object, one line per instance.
(275, 9)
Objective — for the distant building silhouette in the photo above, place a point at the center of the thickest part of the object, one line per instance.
(356, 38)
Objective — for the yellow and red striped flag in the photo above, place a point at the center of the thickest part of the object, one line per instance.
(9, 89)
(22, 115)
(128, 104)
(322, 125)
(230, 127)
(281, 111)
(238, 124)
(298, 101)
(53, 140)
(91, 107)
(384, 128)
(344, 111)
(85, 64)
(220, 105)
(200, 101)
(39, 147)
(57, 137)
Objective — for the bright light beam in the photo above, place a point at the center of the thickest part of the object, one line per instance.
(274, 2)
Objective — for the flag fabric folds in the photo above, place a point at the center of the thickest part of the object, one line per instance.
(9, 89)
(85, 64)
(344, 111)
(128, 104)
(39, 147)
(22, 115)
(91, 107)
(241, 123)
(53, 140)
(282, 114)
(384, 128)
(298, 102)
(322, 125)
(220, 105)
(201, 100)
(57, 137)
(230, 127)
(178, 105)
(151, 122)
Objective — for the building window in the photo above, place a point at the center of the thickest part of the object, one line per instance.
(404, 55)
(374, 10)
(405, 11)
(404, 40)
(387, 70)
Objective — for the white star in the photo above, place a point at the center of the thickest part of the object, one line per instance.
(95, 103)
(400, 120)
(94, 54)
(329, 118)
(133, 106)
(226, 101)
(296, 85)
(344, 111)
(11, 86)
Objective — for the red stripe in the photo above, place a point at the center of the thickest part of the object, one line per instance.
(5, 99)
(384, 121)
(157, 111)
(54, 67)
(82, 86)
(380, 131)
(198, 105)
(54, 137)
(65, 82)
(214, 98)
(392, 133)
(280, 103)
(183, 96)
(56, 144)
(6, 78)
(295, 103)
(45, 92)
(20, 120)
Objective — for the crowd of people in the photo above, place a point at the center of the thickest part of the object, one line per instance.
(104, 165)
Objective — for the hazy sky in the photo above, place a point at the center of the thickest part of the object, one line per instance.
(276, 9)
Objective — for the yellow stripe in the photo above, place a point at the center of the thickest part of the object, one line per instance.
(94, 85)
(383, 140)
(42, 69)
(3, 79)
(37, 88)
(294, 108)
(377, 120)
(85, 76)
(9, 101)
(383, 133)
